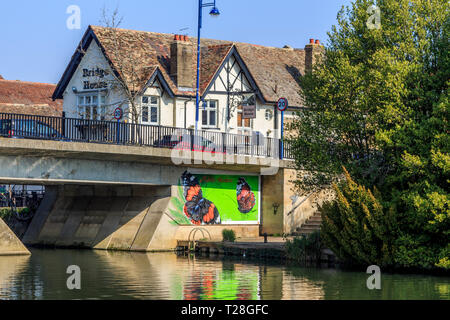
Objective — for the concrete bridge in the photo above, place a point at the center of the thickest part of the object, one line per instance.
(124, 197)
(127, 197)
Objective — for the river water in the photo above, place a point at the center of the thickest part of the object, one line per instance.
(125, 275)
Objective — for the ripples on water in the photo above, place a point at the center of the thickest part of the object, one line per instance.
(124, 275)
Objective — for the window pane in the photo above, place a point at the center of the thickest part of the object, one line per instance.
(102, 99)
(103, 113)
(247, 123)
(154, 114)
(81, 100)
(212, 118)
(144, 99)
(204, 117)
(94, 113)
(239, 119)
(144, 114)
(81, 113)
(88, 113)
(212, 104)
(88, 100)
(154, 100)
(95, 100)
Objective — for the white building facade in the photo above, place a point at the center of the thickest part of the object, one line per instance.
(238, 91)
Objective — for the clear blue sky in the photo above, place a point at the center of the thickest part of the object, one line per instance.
(36, 45)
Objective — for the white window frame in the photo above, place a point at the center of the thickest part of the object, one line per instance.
(100, 105)
(207, 108)
(149, 105)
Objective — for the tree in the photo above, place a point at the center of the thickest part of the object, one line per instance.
(377, 104)
(355, 226)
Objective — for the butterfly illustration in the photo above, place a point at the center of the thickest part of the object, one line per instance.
(245, 197)
(198, 209)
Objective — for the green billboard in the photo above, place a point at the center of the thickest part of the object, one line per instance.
(205, 199)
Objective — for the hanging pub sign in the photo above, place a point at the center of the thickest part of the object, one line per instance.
(94, 72)
(249, 112)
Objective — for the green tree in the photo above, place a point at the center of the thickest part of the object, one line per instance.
(355, 226)
(377, 104)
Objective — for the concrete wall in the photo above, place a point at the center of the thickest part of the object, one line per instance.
(294, 209)
(135, 218)
(273, 188)
(101, 217)
(299, 208)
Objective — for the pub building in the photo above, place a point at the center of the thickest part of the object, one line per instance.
(240, 83)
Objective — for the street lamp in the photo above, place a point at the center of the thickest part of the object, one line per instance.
(214, 13)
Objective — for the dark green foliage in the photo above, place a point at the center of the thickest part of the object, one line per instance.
(7, 213)
(228, 235)
(356, 228)
(305, 248)
(378, 105)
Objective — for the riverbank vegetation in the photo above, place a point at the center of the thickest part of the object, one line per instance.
(306, 248)
(376, 127)
(228, 235)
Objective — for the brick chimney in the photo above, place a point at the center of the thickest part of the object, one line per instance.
(313, 50)
(182, 66)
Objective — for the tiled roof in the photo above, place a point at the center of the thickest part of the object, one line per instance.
(211, 59)
(28, 98)
(276, 71)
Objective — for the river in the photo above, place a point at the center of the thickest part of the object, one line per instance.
(125, 275)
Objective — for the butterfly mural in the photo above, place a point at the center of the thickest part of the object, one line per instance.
(245, 196)
(198, 209)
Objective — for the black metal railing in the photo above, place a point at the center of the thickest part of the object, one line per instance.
(114, 132)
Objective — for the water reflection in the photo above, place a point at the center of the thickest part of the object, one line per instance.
(125, 275)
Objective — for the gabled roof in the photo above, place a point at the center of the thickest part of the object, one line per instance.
(28, 98)
(274, 71)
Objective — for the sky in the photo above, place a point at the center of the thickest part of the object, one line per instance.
(36, 44)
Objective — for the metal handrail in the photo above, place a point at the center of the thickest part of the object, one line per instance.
(114, 132)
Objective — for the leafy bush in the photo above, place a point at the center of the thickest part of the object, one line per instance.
(5, 213)
(306, 247)
(228, 235)
(378, 104)
(355, 227)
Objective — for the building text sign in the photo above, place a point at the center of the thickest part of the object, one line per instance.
(97, 73)
(249, 112)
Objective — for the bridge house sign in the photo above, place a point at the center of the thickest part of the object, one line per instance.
(94, 73)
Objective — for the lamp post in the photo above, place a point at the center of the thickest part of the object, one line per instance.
(214, 13)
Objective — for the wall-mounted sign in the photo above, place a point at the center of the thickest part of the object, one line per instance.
(249, 112)
(94, 72)
(282, 104)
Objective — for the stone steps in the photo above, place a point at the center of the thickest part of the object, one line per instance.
(311, 225)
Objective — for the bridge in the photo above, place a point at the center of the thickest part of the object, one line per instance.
(117, 185)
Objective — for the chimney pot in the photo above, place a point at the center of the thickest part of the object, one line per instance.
(317, 41)
(311, 41)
